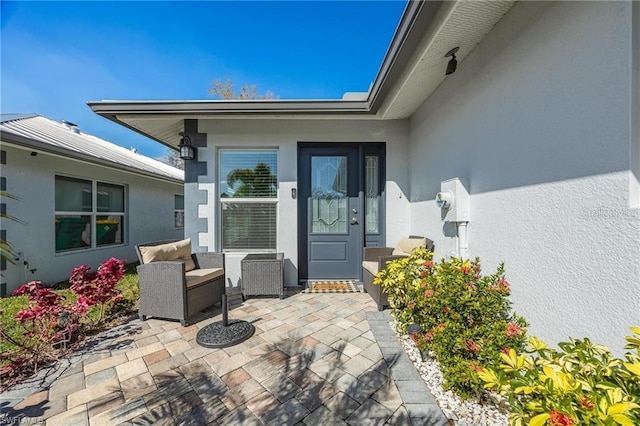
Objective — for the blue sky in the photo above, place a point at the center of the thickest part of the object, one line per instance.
(56, 56)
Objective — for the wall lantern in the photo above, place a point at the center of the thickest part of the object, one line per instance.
(453, 63)
(186, 150)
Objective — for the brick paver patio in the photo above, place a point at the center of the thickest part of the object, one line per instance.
(315, 359)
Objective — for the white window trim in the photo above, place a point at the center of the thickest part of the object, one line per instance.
(175, 210)
(264, 200)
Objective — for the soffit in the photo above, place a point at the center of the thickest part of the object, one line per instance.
(163, 120)
(461, 23)
(165, 130)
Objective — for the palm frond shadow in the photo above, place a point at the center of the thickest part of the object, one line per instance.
(283, 383)
(31, 413)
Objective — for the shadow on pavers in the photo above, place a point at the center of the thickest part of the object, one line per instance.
(279, 387)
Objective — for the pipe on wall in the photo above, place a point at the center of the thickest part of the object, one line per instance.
(463, 240)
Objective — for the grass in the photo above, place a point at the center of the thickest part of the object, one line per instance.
(9, 306)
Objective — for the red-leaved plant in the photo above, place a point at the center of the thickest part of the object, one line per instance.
(98, 288)
(51, 323)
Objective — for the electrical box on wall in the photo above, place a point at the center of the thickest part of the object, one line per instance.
(453, 200)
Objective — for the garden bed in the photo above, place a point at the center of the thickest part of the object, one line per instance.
(43, 324)
(489, 410)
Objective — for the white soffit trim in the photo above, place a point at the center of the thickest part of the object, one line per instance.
(165, 130)
(460, 23)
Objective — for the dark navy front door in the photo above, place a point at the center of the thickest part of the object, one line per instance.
(340, 207)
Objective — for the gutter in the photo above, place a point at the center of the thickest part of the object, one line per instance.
(414, 23)
(195, 107)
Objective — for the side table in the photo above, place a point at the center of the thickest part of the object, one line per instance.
(263, 275)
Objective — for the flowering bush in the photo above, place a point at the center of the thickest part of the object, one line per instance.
(50, 321)
(580, 384)
(466, 317)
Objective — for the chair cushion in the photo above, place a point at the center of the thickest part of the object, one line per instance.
(406, 245)
(371, 266)
(179, 250)
(198, 276)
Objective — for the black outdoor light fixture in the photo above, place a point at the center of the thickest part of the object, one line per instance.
(451, 66)
(186, 150)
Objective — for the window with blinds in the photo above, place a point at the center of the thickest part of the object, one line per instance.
(248, 197)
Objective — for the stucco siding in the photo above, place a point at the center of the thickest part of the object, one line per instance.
(538, 119)
(149, 215)
(284, 135)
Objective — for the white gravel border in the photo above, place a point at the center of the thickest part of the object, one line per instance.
(489, 411)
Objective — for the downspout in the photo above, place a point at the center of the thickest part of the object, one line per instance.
(463, 240)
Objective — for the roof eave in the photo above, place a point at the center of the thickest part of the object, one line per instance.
(190, 108)
(416, 18)
(27, 143)
(413, 24)
(117, 111)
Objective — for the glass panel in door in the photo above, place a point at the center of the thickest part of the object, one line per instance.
(372, 194)
(329, 195)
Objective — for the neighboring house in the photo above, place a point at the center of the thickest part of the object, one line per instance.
(81, 199)
(540, 120)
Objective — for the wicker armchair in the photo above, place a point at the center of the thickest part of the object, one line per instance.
(175, 286)
(376, 258)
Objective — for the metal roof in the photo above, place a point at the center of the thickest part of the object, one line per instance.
(13, 116)
(39, 133)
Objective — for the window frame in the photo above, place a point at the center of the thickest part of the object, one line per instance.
(378, 183)
(177, 211)
(245, 200)
(93, 214)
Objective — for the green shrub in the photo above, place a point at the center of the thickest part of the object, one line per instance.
(582, 383)
(466, 317)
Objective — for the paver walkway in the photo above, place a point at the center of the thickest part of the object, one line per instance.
(315, 359)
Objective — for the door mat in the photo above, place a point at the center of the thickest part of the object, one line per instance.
(332, 286)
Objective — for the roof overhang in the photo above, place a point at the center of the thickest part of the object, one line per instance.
(411, 70)
(29, 144)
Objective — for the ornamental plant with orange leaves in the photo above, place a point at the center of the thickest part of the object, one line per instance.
(466, 317)
(582, 383)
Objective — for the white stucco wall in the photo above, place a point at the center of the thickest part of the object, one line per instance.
(634, 153)
(538, 118)
(284, 135)
(149, 215)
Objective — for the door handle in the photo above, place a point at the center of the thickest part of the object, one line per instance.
(354, 220)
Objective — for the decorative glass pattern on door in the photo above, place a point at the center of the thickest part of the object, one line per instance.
(372, 196)
(329, 194)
